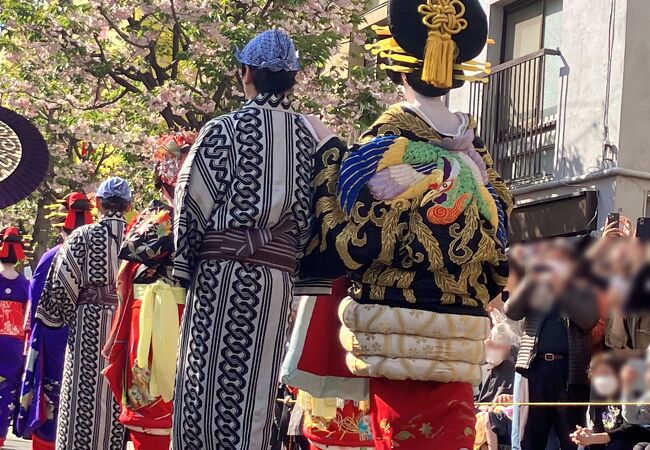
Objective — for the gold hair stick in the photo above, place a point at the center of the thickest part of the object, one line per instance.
(384, 45)
(400, 57)
(381, 30)
(474, 79)
(399, 69)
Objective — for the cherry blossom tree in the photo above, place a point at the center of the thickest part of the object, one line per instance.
(102, 78)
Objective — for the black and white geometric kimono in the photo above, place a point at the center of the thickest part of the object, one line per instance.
(80, 292)
(243, 216)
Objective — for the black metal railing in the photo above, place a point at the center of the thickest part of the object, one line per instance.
(518, 113)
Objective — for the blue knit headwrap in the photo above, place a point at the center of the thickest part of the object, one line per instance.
(272, 50)
(114, 187)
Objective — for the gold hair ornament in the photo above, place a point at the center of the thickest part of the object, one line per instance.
(402, 62)
(443, 18)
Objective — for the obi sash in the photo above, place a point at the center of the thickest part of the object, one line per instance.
(276, 247)
(159, 333)
(93, 295)
(12, 318)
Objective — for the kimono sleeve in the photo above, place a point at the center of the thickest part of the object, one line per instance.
(202, 187)
(505, 203)
(37, 284)
(58, 303)
(497, 183)
(321, 260)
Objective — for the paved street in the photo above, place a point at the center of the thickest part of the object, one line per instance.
(14, 443)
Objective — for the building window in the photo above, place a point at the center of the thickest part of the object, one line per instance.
(518, 110)
(530, 26)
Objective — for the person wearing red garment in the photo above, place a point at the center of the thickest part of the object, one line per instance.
(416, 215)
(14, 309)
(143, 343)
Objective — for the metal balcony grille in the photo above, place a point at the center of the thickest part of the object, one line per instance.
(518, 112)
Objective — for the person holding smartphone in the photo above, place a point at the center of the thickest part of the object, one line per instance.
(559, 310)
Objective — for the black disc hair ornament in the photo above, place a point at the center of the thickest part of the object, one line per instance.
(407, 26)
(24, 159)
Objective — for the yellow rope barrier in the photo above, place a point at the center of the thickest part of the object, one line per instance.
(535, 404)
(561, 404)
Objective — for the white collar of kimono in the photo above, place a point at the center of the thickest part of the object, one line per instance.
(271, 101)
(112, 215)
(463, 120)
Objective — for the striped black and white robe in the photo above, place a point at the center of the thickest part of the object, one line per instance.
(248, 170)
(80, 292)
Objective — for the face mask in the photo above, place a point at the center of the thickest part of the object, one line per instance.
(606, 385)
(493, 357)
(620, 286)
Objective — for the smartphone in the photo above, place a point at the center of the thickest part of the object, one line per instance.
(643, 229)
(614, 218)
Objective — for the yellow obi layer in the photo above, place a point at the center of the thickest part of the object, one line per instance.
(414, 369)
(375, 318)
(159, 333)
(412, 344)
(178, 293)
(408, 346)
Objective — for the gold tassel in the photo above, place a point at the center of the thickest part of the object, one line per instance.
(439, 56)
(443, 18)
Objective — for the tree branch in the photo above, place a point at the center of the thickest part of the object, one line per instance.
(125, 37)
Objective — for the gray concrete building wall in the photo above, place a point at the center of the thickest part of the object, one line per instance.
(605, 48)
(608, 88)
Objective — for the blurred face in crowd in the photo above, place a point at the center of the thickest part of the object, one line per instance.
(604, 380)
(618, 266)
(496, 353)
(602, 265)
(513, 282)
(626, 257)
(552, 266)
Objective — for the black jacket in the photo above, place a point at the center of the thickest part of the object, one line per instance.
(579, 311)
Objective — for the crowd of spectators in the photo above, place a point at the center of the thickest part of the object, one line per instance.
(572, 326)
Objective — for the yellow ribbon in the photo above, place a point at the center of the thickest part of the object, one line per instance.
(319, 407)
(159, 332)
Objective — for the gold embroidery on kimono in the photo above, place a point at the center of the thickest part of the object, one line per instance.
(414, 216)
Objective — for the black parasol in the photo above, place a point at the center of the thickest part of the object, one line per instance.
(24, 159)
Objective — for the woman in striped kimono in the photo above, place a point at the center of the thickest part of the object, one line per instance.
(41, 384)
(242, 218)
(80, 293)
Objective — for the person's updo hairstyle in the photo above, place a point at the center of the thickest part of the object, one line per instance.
(270, 82)
(79, 207)
(415, 81)
(11, 256)
(114, 204)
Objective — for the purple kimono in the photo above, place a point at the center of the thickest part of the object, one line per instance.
(39, 393)
(14, 302)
